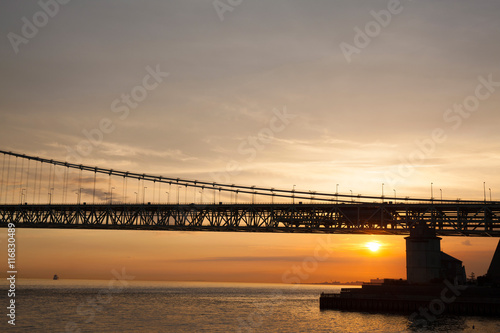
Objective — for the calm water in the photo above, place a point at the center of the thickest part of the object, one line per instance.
(95, 306)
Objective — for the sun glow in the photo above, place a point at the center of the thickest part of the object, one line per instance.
(373, 246)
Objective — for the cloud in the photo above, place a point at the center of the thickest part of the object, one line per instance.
(335, 258)
(467, 243)
(245, 259)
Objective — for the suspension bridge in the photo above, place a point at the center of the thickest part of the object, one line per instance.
(44, 193)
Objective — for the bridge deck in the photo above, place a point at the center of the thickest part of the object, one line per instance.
(449, 219)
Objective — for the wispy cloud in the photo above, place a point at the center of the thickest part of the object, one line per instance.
(283, 259)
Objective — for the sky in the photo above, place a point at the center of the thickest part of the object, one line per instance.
(277, 94)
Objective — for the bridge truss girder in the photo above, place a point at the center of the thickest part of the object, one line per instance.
(357, 218)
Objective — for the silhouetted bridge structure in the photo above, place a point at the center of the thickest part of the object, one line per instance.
(256, 211)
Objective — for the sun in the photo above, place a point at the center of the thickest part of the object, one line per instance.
(373, 246)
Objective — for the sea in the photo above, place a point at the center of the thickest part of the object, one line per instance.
(145, 306)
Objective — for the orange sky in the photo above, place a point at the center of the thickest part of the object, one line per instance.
(208, 91)
(240, 257)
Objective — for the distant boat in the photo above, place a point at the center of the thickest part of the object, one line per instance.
(55, 277)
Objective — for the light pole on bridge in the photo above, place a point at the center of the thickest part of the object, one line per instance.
(383, 192)
(293, 194)
(136, 198)
(50, 195)
(432, 193)
(144, 195)
(314, 192)
(168, 197)
(395, 196)
(111, 196)
(22, 194)
(80, 195)
(490, 194)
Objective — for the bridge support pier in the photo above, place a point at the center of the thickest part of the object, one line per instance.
(425, 262)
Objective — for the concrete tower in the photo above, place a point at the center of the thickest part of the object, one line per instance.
(423, 255)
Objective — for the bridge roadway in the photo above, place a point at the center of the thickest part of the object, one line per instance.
(449, 219)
